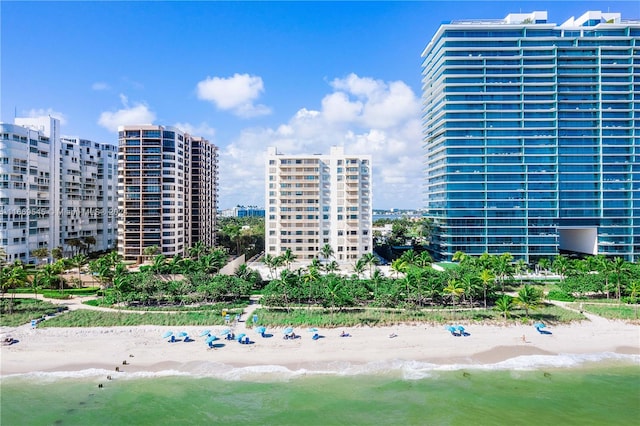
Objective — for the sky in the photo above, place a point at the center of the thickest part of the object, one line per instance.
(300, 76)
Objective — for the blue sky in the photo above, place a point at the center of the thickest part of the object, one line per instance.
(301, 76)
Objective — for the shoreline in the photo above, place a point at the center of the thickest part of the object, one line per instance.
(51, 350)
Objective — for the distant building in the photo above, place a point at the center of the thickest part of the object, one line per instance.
(243, 211)
(167, 190)
(54, 189)
(313, 200)
(531, 136)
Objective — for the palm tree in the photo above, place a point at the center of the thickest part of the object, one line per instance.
(410, 257)
(288, 258)
(560, 266)
(371, 260)
(150, 251)
(89, 240)
(620, 270)
(334, 290)
(49, 276)
(486, 277)
(332, 267)
(424, 259)
(454, 289)
(57, 253)
(529, 297)
(13, 276)
(326, 251)
(158, 264)
(634, 290)
(544, 264)
(269, 261)
(504, 304)
(234, 232)
(77, 261)
(460, 257)
(75, 244)
(40, 253)
(197, 250)
(359, 267)
(399, 266)
(520, 267)
(604, 266)
(3, 257)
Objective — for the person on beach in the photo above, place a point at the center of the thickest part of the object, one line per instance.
(344, 334)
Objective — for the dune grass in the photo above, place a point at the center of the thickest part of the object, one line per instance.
(87, 318)
(23, 311)
(302, 317)
(609, 310)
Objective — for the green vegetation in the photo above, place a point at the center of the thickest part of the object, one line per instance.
(86, 318)
(23, 311)
(304, 317)
(241, 235)
(609, 310)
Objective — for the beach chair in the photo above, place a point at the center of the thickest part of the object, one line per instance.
(173, 339)
(316, 336)
(246, 340)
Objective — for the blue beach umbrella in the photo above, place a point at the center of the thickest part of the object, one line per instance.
(288, 330)
(313, 330)
(451, 328)
(241, 336)
(260, 329)
(211, 339)
(183, 334)
(539, 325)
(167, 334)
(205, 333)
(224, 332)
(460, 329)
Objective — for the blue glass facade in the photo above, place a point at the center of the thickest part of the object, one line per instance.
(530, 128)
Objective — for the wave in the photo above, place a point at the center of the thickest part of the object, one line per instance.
(401, 369)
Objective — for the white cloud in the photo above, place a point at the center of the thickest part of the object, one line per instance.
(100, 85)
(203, 129)
(49, 112)
(137, 114)
(236, 94)
(364, 115)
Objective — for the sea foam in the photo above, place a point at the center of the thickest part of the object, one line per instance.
(402, 369)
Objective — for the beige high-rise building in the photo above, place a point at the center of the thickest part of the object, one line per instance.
(167, 190)
(315, 200)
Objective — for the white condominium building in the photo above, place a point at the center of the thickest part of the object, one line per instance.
(315, 200)
(54, 190)
(167, 191)
(88, 196)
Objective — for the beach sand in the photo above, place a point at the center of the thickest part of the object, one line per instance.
(144, 350)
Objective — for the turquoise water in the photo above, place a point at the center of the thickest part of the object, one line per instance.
(590, 394)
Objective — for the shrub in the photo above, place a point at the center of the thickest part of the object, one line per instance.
(560, 295)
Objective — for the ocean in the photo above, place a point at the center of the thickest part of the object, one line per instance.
(601, 389)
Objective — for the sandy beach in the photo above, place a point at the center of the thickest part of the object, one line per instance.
(144, 350)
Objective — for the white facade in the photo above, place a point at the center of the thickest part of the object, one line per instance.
(48, 187)
(314, 200)
(88, 196)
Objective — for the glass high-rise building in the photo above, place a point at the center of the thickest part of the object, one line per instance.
(531, 134)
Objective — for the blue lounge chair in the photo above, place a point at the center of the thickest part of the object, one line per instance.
(246, 340)
(316, 336)
(173, 339)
